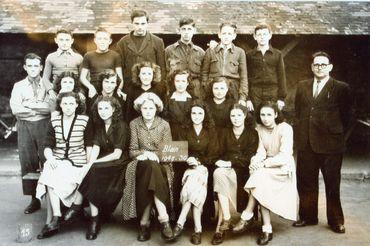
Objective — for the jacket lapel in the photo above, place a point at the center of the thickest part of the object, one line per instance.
(145, 42)
(325, 92)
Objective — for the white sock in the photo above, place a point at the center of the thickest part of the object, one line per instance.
(246, 215)
(267, 228)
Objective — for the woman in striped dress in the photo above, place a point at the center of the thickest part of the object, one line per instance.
(65, 155)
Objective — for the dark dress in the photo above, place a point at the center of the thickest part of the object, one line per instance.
(177, 114)
(239, 152)
(221, 112)
(205, 149)
(133, 92)
(103, 184)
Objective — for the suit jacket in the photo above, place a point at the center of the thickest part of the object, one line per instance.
(322, 122)
(152, 50)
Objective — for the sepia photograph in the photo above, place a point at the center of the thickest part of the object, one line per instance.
(199, 122)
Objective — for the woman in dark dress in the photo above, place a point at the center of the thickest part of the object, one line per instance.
(147, 180)
(202, 154)
(221, 104)
(146, 77)
(237, 145)
(103, 184)
(179, 102)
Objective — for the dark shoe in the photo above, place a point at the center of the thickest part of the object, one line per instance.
(50, 229)
(242, 225)
(166, 231)
(72, 214)
(225, 225)
(302, 223)
(196, 238)
(264, 238)
(93, 228)
(144, 233)
(338, 228)
(177, 231)
(33, 206)
(218, 238)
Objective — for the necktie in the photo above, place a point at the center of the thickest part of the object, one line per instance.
(316, 89)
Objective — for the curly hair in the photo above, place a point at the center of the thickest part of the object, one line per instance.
(81, 106)
(66, 74)
(208, 120)
(148, 96)
(136, 71)
(269, 104)
(219, 80)
(106, 74)
(116, 117)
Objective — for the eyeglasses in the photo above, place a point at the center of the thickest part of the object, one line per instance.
(320, 66)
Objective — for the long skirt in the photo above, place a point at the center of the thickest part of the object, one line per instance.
(103, 185)
(229, 183)
(276, 190)
(151, 179)
(64, 180)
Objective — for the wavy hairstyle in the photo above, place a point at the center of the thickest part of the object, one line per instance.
(106, 74)
(269, 104)
(173, 75)
(249, 119)
(66, 74)
(81, 106)
(116, 117)
(148, 96)
(136, 71)
(208, 120)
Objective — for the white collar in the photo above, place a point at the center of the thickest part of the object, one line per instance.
(180, 97)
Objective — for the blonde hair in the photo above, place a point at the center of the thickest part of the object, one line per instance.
(148, 96)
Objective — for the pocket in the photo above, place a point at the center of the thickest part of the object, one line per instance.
(234, 67)
(213, 66)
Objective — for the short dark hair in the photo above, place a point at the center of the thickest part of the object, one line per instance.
(173, 76)
(135, 71)
(321, 53)
(219, 79)
(228, 23)
(186, 21)
(139, 13)
(32, 56)
(65, 74)
(102, 29)
(249, 119)
(269, 104)
(113, 102)
(81, 106)
(208, 121)
(64, 31)
(262, 26)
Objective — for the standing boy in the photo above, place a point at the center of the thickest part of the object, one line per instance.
(229, 61)
(266, 72)
(139, 46)
(99, 60)
(64, 59)
(29, 102)
(184, 55)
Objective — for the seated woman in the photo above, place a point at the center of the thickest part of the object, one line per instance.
(146, 77)
(66, 160)
(202, 150)
(272, 182)
(103, 184)
(237, 145)
(147, 180)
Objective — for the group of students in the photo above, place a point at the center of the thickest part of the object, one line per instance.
(102, 142)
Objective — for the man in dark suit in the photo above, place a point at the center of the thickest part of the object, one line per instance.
(323, 108)
(140, 45)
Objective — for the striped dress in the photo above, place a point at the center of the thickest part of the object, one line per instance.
(69, 151)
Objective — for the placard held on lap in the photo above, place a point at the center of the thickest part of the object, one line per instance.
(174, 151)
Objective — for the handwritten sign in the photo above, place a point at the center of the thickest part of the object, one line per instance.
(174, 151)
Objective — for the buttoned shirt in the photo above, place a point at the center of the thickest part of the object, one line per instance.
(184, 56)
(230, 64)
(267, 70)
(25, 92)
(61, 61)
(321, 85)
